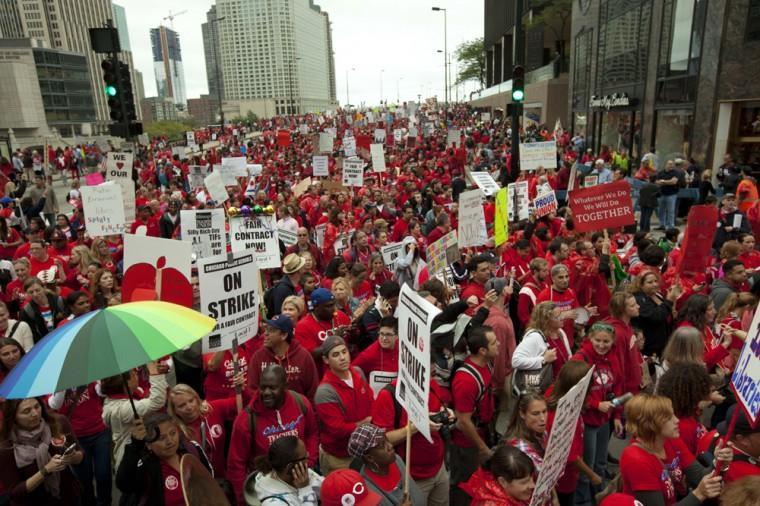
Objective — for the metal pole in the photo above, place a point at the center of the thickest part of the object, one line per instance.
(517, 59)
(446, 55)
(217, 55)
(381, 85)
(347, 102)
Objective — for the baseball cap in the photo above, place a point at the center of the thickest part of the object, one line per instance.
(346, 487)
(6, 200)
(742, 422)
(364, 438)
(321, 296)
(281, 322)
(329, 343)
(620, 500)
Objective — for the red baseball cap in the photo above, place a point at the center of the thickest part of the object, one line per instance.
(620, 500)
(346, 487)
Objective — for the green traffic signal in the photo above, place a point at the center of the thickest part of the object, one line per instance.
(518, 95)
(110, 91)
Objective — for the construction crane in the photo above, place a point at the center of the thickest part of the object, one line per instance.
(171, 17)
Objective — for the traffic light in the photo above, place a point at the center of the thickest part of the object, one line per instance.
(127, 97)
(518, 83)
(112, 87)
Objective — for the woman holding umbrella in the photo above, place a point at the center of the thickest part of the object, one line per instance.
(36, 450)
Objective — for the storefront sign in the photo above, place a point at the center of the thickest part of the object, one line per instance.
(610, 101)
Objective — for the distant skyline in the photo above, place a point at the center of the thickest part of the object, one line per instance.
(398, 37)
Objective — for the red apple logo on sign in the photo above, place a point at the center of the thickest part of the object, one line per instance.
(144, 281)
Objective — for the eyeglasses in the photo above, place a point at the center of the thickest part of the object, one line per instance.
(386, 334)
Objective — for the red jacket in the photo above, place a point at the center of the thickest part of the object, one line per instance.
(607, 379)
(299, 367)
(376, 358)
(270, 425)
(628, 355)
(339, 407)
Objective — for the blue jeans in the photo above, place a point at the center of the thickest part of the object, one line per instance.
(595, 443)
(667, 210)
(97, 464)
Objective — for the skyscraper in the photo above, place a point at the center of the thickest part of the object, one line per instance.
(278, 51)
(167, 65)
(64, 24)
(211, 51)
(120, 22)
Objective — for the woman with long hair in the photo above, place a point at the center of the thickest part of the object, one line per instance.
(657, 468)
(527, 429)
(623, 308)
(360, 287)
(336, 267)
(506, 479)
(11, 352)
(729, 318)
(101, 253)
(104, 288)
(409, 264)
(284, 476)
(80, 265)
(544, 341)
(44, 311)
(378, 273)
(699, 312)
(63, 224)
(341, 288)
(36, 450)
(688, 386)
(655, 311)
(294, 307)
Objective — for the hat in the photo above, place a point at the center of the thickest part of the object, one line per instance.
(292, 263)
(281, 322)
(620, 500)
(497, 284)
(743, 426)
(599, 161)
(320, 296)
(6, 200)
(678, 161)
(346, 487)
(329, 343)
(364, 438)
(728, 195)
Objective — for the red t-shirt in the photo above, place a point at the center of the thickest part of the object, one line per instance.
(218, 384)
(464, 388)
(311, 333)
(173, 495)
(691, 431)
(387, 482)
(643, 471)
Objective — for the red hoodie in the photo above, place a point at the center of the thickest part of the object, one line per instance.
(607, 379)
(271, 424)
(376, 358)
(213, 423)
(299, 367)
(339, 407)
(628, 354)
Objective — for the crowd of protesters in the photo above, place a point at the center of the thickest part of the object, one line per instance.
(521, 323)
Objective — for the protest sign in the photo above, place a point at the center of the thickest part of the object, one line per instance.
(254, 169)
(190, 136)
(318, 235)
(538, 154)
(349, 146)
(320, 166)
(215, 186)
(746, 378)
(485, 182)
(443, 252)
(398, 135)
(303, 129)
(195, 176)
(603, 206)
(258, 235)
(235, 132)
(501, 218)
(377, 152)
(353, 172)
(453, 137)
(544, 204)
(229, 287)
(446, 276)
(233, 168)
(472, 220)
(204, 230)
(380, 135)
(287, 237)
(519, 203)
(390, 252)
(560, 440)
(283, 138)
(143, 139)
(343, 242)
(590, 181)
(413, 388)
(301, 187)
(333, 186)
(428, 129)
(93, 179)
(118, 165)
(485, 116)
(157, 269)
(103, 209)
(380, 379)
(325, 142)
(698, 239)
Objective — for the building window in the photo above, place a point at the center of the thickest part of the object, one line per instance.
(582, 71)
(673, 132)
(624, 27)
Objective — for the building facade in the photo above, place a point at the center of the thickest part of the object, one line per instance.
(278, 51)
(204, 109)
(210, 33)
(678, 76)
(544, 59)
(64, 25)
(167, 65)
(159, 109)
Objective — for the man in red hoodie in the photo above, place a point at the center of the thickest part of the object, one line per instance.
(533, 285)
(343, 402)
(280, 349)
(564, 298)
(273, 412)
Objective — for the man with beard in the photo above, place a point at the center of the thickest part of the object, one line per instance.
(564, 298)
(274, 412)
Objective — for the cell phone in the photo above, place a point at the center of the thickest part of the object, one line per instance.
(70, 449)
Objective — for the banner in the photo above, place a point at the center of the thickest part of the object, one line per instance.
(442, 252)
(501, 218)
(603, 206)
(103, 209)
(546, 203)
(204, 230)
(349, 146)
(472, 220)
(287, 237)
(380, 135)
(325, 142)
(320, 166)
(353, 172)
(519, 203)
(157, 269)
(257, 235)
(485, 182)
(415, 316)
(698, 239)
(390, 252)
(746, 378)
(377, 152)
(538, 154)
(560, 440)
(229, 287)
(215, 186)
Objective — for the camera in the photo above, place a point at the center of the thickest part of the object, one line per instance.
(442, 418)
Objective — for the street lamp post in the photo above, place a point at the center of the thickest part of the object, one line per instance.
(347, 99)
(398, 95)
(445, 55)
(216, 64)
(381, 85)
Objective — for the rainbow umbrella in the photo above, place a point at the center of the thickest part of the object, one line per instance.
(104, 343)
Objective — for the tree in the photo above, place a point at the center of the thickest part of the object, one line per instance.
(172, 130)
(249, 119)
(472, 61)
(554, 15)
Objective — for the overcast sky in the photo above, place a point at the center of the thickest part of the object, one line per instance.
(398, 36)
